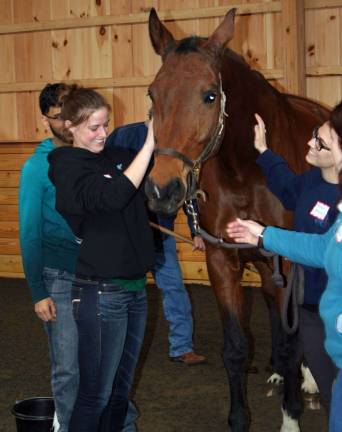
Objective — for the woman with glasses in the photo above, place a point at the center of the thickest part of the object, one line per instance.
(313, 251)
(312, 196)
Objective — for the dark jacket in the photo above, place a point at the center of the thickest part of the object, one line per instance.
(313, 202)
(105, 210)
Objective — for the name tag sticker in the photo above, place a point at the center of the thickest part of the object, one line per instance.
(320, 210)
(338, 235)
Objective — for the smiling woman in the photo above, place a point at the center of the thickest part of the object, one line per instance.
(91, 134)
(313, 196)
(98, 191)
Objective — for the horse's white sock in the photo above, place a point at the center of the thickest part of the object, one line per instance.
(289, 424)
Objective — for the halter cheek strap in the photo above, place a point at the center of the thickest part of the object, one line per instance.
(213, 145)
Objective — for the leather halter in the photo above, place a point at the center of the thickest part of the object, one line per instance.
(209, 150)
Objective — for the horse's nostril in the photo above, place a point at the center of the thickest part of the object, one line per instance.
(175, 188)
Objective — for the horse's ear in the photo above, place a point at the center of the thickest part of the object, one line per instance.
(223, 34)
(160, 36)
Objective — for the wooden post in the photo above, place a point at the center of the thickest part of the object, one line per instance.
(294, 46)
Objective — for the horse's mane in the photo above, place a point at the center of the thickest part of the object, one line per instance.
(194, 43)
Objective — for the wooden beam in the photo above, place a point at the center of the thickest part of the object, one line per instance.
(324, 71)
(294, 46)
(271, 74)
(320, 4)
(99, 21)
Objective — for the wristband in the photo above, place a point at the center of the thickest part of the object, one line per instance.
(261, 239)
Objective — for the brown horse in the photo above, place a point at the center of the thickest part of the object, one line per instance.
(203, 102)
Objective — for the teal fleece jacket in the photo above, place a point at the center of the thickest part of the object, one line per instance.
(321, 251)
(45, 238)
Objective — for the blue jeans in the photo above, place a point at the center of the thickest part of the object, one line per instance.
(111, 325)
(335, 418)
(62, 337)
(176, 302)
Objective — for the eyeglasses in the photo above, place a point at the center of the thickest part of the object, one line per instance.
(319, 142)
(54, 117)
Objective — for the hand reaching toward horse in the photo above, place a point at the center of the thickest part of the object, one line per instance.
(260, 135)
(245, 231)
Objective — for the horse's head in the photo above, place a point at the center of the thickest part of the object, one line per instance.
(187, 107)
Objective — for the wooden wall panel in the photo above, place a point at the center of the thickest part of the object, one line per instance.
(82, 53)
(100, 52)
(9, 230)
(8, 116)
(326, 89)
(323, 47)
(8, 196)
(11, 266)
(8, 212)
(32, 57)
(9, 179)
(6, 11)
(7, 58)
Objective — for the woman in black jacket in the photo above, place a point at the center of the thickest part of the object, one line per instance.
(98, 191)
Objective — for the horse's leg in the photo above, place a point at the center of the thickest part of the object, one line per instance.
(285, 354)
(289, 362)
(275, 326)
(224, 272)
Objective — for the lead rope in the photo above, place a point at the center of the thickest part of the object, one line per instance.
(295, 280)
(292, 298)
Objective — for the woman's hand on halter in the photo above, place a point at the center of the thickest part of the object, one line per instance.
(260, 135)
(137, 169)
(149, 142)
(245, 231)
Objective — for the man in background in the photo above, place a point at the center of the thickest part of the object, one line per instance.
(49, 251)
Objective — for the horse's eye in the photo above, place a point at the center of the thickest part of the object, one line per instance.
(209, 98)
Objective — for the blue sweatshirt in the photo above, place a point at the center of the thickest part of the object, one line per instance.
(132, 137)
(316, 250)
(313, 202)
(45, 238)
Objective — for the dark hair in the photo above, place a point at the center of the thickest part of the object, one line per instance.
(336, 121)
(51, 96)
(80, 103)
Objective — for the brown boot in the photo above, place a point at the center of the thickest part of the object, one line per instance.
(189, 358)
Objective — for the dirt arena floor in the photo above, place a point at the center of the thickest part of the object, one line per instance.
(171, 397)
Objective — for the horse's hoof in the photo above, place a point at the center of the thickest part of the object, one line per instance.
(275, 379)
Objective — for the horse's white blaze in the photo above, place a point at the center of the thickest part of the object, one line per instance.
(309, 384)
(156, 190)
(275, 379)
(289, 424)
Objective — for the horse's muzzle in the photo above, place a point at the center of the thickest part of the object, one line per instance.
(167, 199)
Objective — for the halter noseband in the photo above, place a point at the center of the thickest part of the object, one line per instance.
(209, 150)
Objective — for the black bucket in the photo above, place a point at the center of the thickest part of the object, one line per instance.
(34, 414)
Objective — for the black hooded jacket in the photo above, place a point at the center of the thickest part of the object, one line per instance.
(104, 210)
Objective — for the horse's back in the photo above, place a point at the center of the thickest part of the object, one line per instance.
(309, 107)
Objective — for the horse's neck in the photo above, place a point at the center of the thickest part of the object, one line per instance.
(249, 93)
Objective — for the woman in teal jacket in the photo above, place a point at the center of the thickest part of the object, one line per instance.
(315, 250)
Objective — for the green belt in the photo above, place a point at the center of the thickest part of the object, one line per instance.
(131, 284)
